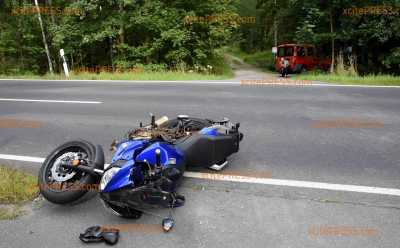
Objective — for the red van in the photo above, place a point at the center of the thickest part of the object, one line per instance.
(301, 57)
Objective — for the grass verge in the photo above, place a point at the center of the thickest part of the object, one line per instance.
(146, 75)
(387, 80)
(16, 188)
(10, 212)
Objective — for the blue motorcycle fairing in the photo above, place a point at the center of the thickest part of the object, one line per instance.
(168, 154)
(122, 178)
(210, 131)
(126, 152)
(126, 149)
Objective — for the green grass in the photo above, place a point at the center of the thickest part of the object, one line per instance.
(16, 188)
(146, 75)
(261, 59)
(265, 61)
(360, 80)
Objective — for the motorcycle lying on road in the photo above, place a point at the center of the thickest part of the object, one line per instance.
(146, 168)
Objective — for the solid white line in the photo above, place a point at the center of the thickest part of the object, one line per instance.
(256, 180)
(215, 82)
(354, 85)
(22, 158)
(48, 101)
(295, 183)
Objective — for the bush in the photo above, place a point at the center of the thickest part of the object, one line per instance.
(348, 68)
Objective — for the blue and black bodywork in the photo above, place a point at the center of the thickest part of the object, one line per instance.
(146, 171)
(146, 168)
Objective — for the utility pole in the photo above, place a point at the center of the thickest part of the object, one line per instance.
(44, 38)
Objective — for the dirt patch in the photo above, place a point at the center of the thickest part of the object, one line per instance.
(244, 71)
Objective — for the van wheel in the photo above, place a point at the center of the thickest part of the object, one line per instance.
(300, 69)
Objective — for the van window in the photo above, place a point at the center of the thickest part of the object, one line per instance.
(301, 52)
(289, 51)
(285, 51)
(310, 51)
(281, 52)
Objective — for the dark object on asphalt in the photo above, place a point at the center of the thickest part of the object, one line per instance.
(167, 224)
(146, 168)
(91, 235)
(96, 234)
(110, 236)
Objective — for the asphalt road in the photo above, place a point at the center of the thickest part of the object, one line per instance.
(280, 140)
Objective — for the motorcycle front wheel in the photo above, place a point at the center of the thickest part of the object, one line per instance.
(59, 185)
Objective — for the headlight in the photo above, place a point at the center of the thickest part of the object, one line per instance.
(107, 176)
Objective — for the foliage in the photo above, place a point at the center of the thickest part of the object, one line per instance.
(115, 32)
(158, 35)
(145, 75)
(373, 37)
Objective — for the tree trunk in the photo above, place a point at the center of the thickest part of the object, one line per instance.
(275, 28)
(44, 38)
(50, 2)
(20, 44)
(72, 62)
(332, 43)
(111, 53)
(122, 27)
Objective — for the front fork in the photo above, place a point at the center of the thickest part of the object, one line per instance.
(82, 168)
(90, 167)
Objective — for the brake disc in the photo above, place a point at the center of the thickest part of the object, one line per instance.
(58, 173)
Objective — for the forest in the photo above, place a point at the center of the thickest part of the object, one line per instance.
(181, 35)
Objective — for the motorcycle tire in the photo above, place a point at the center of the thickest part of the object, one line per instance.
(67, 196)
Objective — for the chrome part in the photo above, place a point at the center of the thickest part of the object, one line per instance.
(106, 166)
(218, 167)
(58, 173)
(98, 171)
(161, 120)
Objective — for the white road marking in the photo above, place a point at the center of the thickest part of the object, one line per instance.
(48, 101)
(295, 183)
(353, 85)
(21, 158)
(199, 82)
(256, 180)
